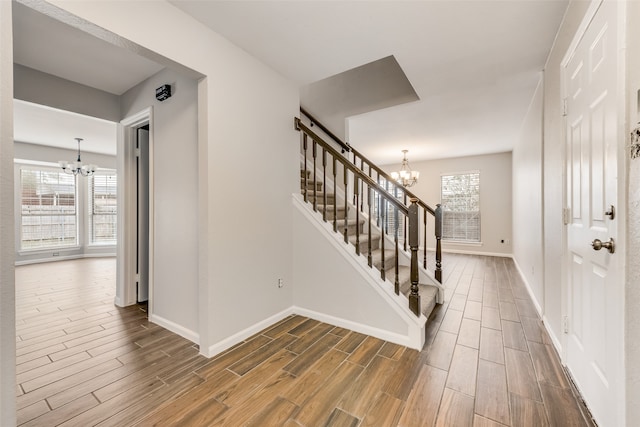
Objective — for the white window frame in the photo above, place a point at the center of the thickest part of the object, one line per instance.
(459, 232)
(90, 209)
(19, 209)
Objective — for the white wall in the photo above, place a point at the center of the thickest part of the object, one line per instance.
(43, 153)
(632, 288)
(553, 170)
(246, 115)
(341, 290)
(7, 288)
(495, 198)
(527, 200)
(45, 89)
(175, 187)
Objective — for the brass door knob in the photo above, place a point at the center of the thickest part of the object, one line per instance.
(598, 244)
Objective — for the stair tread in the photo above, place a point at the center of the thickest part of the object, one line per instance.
(351, 221)
(364, 237)
(404, 273)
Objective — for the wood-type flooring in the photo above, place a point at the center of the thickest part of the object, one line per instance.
(81, 361)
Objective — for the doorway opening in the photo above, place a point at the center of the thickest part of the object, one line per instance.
(142, 214)
(134, 284)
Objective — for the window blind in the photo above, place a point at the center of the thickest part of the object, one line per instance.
(48, 209)
(103, 207)
(460, 197)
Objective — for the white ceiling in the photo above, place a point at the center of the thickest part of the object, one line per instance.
(37, 124)
(474, 64)
(47, 45)
(53, 47)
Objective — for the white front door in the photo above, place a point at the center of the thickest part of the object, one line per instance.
(595, 283)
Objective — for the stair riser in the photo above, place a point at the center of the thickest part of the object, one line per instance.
(389, 263)
(310, 197)
(351, 228)
(310, 185)
(340, 213)
(364, 244)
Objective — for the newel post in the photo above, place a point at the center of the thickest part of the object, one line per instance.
(438, 243)
(414, 242)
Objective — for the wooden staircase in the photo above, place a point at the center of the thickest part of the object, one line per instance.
(379, 259)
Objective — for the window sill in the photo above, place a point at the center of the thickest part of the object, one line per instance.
(38, 251)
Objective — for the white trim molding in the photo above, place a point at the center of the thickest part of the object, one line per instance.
(175, 328)
(238, 337)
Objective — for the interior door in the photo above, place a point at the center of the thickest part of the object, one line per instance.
(142, 213)
(594, 309)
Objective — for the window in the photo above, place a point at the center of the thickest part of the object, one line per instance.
(48, 209)
(394, 221)
(102, 207)
(460, 197)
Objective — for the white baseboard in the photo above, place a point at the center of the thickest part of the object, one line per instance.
(62, 258)
(357, 327)
(535, 301)
(471, 252)
(554, 338)
(238, 337)
(175, 328)
(48, 259)
(99, 255)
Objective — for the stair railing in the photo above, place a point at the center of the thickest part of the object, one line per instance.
(314, 145)
(370, 168)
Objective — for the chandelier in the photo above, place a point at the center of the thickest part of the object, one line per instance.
(77, 168)
(405, 176)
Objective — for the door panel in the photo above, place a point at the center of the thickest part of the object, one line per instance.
(594, 345)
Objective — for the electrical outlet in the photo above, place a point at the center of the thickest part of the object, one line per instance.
(280, 283)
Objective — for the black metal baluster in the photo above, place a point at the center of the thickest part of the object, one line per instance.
(356, 195)
(306, 172)
(379, 202)
(346, 203)
(315, 179)
(404, 225)
(414, 241)
(383, 221)
(354, 183)
(361, 186)
(386, 187)
(424, 213)
(369, 197)
(324, 184)
(438, 225)
(396, 283)
(335, 197)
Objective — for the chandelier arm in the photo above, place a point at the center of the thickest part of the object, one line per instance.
(77, 167)
(405, 175)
